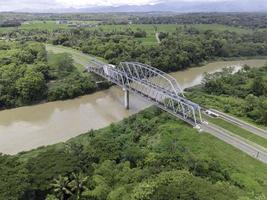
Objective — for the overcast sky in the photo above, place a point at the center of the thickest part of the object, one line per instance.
(9, 5)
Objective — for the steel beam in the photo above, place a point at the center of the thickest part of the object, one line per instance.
(152, 84)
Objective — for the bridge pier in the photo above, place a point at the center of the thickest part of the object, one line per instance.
(126, 99)
(162, 90)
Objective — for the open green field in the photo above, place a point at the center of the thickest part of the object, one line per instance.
(238, 131)
(80, 59)
(46, 25)
(43, 25)
(51, 25)
(149, 40)
(7, 29)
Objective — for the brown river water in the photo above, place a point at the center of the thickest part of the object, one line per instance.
(29, 127)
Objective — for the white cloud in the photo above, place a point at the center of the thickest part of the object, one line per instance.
(10, 5)
(82, 3)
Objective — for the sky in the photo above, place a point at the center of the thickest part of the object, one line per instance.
(11, 5)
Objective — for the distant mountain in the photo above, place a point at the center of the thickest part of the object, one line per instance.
(177, 6)
(221, 6)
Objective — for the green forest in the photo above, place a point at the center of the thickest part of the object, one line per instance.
(186, 46)
(28, 74)
(150, 155)
(250, 20)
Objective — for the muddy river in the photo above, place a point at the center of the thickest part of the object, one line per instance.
(29, 127)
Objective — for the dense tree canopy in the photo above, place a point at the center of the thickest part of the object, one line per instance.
(28, 75)
(148, 156)
(251, 20)
(186, 47)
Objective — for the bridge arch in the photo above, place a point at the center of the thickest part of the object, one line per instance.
(151, 75)
(152, 84)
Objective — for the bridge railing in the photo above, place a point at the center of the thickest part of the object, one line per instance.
(155, 93)
(151, 75)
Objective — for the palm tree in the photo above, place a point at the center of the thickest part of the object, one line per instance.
(60, 186)
(77, 184)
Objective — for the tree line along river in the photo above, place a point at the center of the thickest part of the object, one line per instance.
(29, 127)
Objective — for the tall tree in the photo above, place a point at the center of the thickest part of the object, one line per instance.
(61, 187)
(257, 87)
(77, 185)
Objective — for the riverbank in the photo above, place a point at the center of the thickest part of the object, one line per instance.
(59, 121)
(154, 137)
(241, 95)
(82, 59)
(218, 59)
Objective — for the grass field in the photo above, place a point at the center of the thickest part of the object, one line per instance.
(239, 131)
(80, 59)
(7, 29)
(149, 40)
(46, 25)
(43, 25)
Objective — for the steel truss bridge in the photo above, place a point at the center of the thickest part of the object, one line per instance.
(152, 84)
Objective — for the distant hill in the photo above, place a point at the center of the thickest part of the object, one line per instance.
(221, 6)
(176, 6)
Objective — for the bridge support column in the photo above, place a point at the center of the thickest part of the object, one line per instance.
(126, 98)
